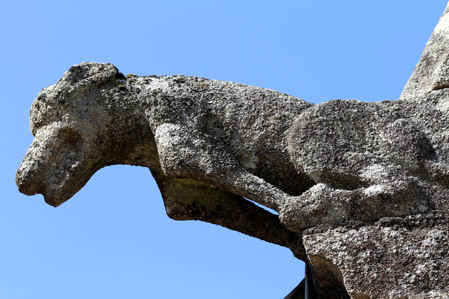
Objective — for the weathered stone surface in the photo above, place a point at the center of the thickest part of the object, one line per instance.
(207, 143)
(397, 256)
(432, 71)
(361, 188)
(392, 258)
(370, 160)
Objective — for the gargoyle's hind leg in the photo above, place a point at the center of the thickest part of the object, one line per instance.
(187, 153)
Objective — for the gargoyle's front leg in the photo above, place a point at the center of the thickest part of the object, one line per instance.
(323, 204)
(188, 153)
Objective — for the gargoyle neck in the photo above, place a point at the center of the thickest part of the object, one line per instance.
(131, 141)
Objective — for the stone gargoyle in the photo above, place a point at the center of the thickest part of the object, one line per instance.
(329, 163)
(211, 145)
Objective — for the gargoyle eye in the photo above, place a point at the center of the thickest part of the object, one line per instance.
(69, 136)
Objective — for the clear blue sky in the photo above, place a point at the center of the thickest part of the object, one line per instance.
(113, 239)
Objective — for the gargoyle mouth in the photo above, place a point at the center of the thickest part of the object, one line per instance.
(53, 201)
(53, 196)
(29, 186)
(56, 176)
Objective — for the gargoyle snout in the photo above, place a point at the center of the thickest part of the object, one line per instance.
(28, 176)
(56, 165)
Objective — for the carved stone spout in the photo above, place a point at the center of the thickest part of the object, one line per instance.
(360, 190)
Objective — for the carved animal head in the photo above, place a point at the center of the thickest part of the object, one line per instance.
(69, 121)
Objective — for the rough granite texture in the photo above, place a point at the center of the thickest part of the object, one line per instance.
(432, 71)
(361, 189)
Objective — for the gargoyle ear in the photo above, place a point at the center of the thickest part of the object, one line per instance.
(92, 73)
